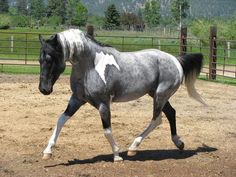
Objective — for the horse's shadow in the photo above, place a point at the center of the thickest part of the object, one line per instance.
(145, 155)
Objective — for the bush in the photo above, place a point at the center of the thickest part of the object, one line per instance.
(54, 21)
(96, 21)
(225, 28)
(5, 21)
(21, 21)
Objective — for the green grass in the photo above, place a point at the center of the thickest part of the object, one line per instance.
(16, 69)
(25, 69)
(220, 79)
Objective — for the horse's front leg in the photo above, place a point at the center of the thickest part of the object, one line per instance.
(73, 106)
(105, 114)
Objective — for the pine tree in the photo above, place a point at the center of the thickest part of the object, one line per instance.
(4, 6)
(112, 17)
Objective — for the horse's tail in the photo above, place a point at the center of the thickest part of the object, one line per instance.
(192, 65)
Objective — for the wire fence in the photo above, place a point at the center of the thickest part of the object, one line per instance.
(21, 51)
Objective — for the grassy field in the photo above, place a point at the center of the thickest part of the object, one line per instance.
(25, 69)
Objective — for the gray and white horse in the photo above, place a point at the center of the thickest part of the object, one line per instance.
(101, 75)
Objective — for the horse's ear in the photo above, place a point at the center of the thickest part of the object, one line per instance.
(42, 41)
(53, 40)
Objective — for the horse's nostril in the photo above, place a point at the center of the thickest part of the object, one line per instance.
(45, 91)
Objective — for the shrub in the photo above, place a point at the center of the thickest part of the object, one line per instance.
(21, 21)
(5, 21)
(54, 20)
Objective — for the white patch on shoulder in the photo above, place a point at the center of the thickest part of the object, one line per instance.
(101, 61)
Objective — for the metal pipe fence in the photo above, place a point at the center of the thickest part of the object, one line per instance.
(22, 50)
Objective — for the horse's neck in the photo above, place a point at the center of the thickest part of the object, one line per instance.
(83, 60)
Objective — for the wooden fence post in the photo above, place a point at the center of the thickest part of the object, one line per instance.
(213, 53)
(183, 41)
(90, 30)
(26, 48)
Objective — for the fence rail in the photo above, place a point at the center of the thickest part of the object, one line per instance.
(22, 49)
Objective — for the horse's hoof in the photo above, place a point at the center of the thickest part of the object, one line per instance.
(118, 159)
(46, 156)
(131, 153)
(181, 146)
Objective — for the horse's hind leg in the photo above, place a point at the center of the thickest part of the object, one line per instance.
(73, 106)
(170, 114)
(159, 101)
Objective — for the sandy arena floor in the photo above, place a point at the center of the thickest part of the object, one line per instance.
(27, 119)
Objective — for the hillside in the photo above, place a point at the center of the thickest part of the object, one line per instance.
(200, 8)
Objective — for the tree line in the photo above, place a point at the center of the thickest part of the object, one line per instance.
(35, 13)
(149, 16)
(25, 13)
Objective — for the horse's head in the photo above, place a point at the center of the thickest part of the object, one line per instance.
(52, 63)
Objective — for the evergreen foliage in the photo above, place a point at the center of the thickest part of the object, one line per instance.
(112, 18)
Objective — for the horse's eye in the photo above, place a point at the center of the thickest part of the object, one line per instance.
(48, 58)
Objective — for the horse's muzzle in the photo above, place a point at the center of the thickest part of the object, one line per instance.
(45, 91)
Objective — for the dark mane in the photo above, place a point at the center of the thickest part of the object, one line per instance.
(97, 42)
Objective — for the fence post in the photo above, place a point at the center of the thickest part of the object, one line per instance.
(228, 48)
(183, 41)
(213, 50)
(123, 43)
(12, 44)
(90, 30)
(26, 47)
(159, 44)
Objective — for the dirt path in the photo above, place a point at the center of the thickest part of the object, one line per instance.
(27, 119)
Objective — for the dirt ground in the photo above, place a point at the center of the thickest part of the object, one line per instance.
(27, 119)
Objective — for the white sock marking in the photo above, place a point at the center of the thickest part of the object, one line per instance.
(115, 148)
(61, 121)
(176, 140)
(146, 132)
(101, 61)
